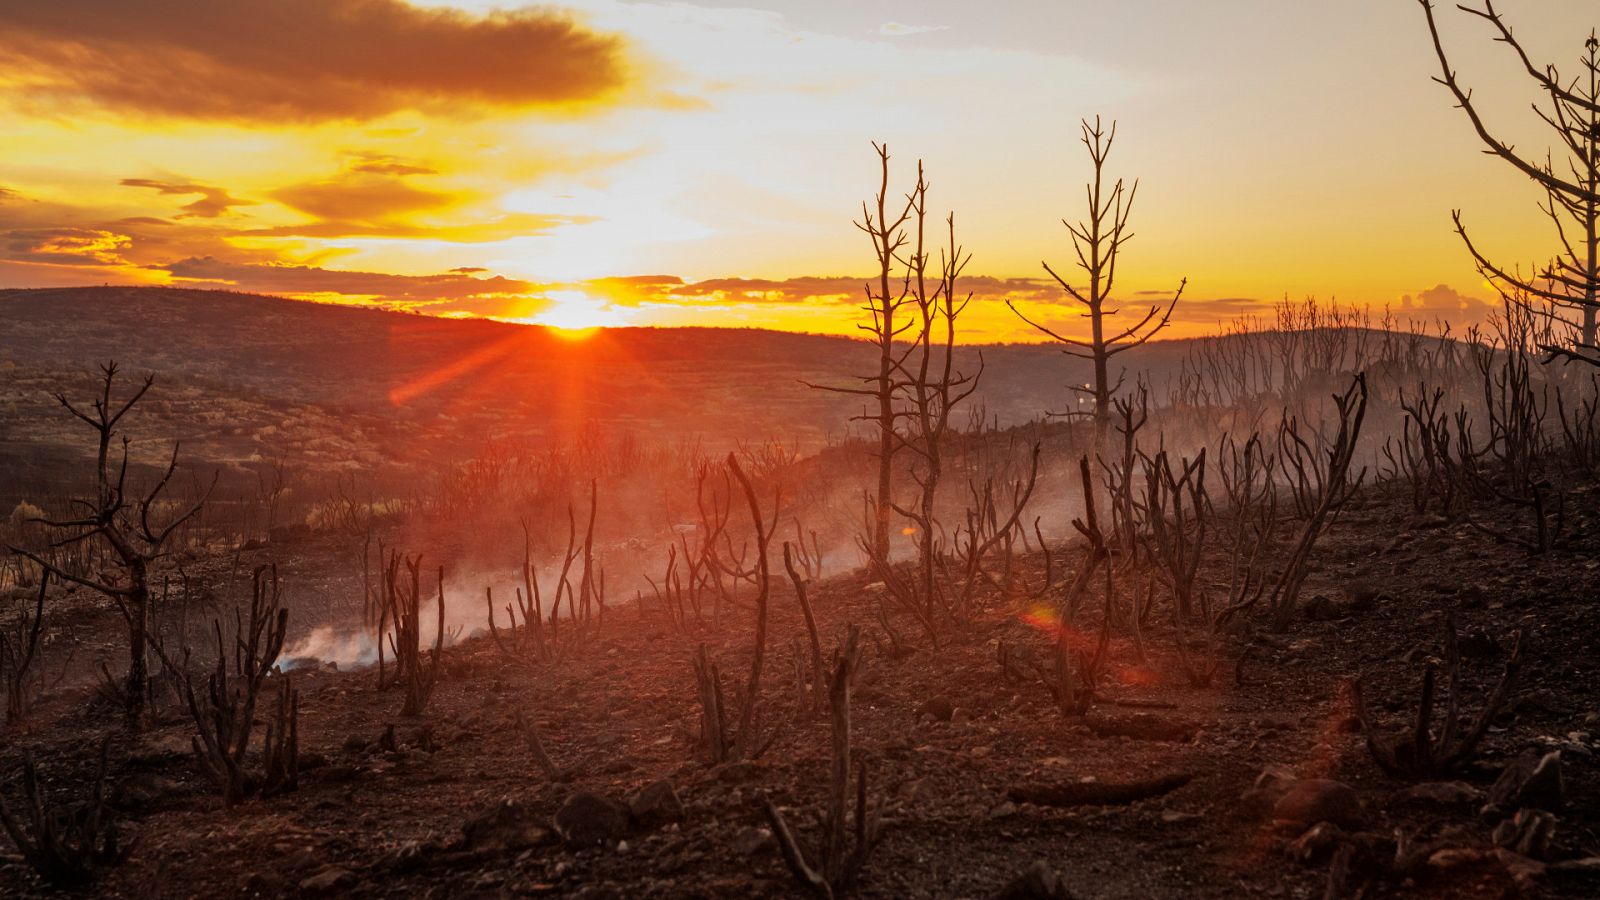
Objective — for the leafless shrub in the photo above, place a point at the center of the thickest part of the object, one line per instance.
(818, 676)
(1079, 659)
(19, 646)
(1249, 475)
(1320, 485)
(402, 606)
(1177, 517)
(808, 556)
(839, 860)
(720, 739)
(1422, 754)
(1580, 424)
(1421, 455)
(993, 524)
(65, 844)
(224, 714)
(530, 736)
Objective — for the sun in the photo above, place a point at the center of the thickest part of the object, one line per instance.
(576, 315)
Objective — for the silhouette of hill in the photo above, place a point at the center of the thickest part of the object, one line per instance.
(242, 378)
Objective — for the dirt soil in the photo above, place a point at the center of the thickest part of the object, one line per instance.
(957, 751)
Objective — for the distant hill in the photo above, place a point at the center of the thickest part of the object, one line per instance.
(243, 378)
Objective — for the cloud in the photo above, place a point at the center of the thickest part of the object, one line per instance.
(391, 290)
(1445, 302)
(213, 202)
(360, 197)
(301, 60)
(898, 29)
(379, 164)
(64, 246)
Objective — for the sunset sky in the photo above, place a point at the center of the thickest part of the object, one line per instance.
(605, 163)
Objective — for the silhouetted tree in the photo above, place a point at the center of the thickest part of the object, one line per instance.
(1098, 243)
(1567, 289)
(886, 294)
(127, 525)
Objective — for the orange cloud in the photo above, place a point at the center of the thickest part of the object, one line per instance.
(65, 246)
(213, 202)
(391, 290)
(360, 197)
(301, 60)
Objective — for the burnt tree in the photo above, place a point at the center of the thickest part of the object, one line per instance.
(1098, 243)
(127, 524)
(1566, 290)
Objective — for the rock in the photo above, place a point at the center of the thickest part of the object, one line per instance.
(1315, 800)
(1530, 781)
(1318, 843)
(1321, 608)
(508, 827)
(1438, 793)
(940, 708)
(327, 880)
(1525, 873)
(1586, 869)
(1270, 785)
(751, 840)
(656, 805)
(407, 857)
(588, 818)
(1037, 882)
(1528, 833)
(1455, 857)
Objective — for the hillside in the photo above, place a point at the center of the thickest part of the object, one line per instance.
(245, 378)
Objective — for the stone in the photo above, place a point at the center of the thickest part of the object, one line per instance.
(1037, 882)
(1525, 873)
(1530, 781)
(1270, 785)
(327, 880)
(1528, 833)
(508, 827)
(1585, 869)
(1318, 843)
(1315, 800)
(409, 856)
(589, 819)
(1455, 857)
(751, 840)
(656, 805)
(1439, 793)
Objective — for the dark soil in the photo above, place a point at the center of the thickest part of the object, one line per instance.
(950, 743)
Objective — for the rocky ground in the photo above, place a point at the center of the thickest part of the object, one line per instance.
(1258, 785)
